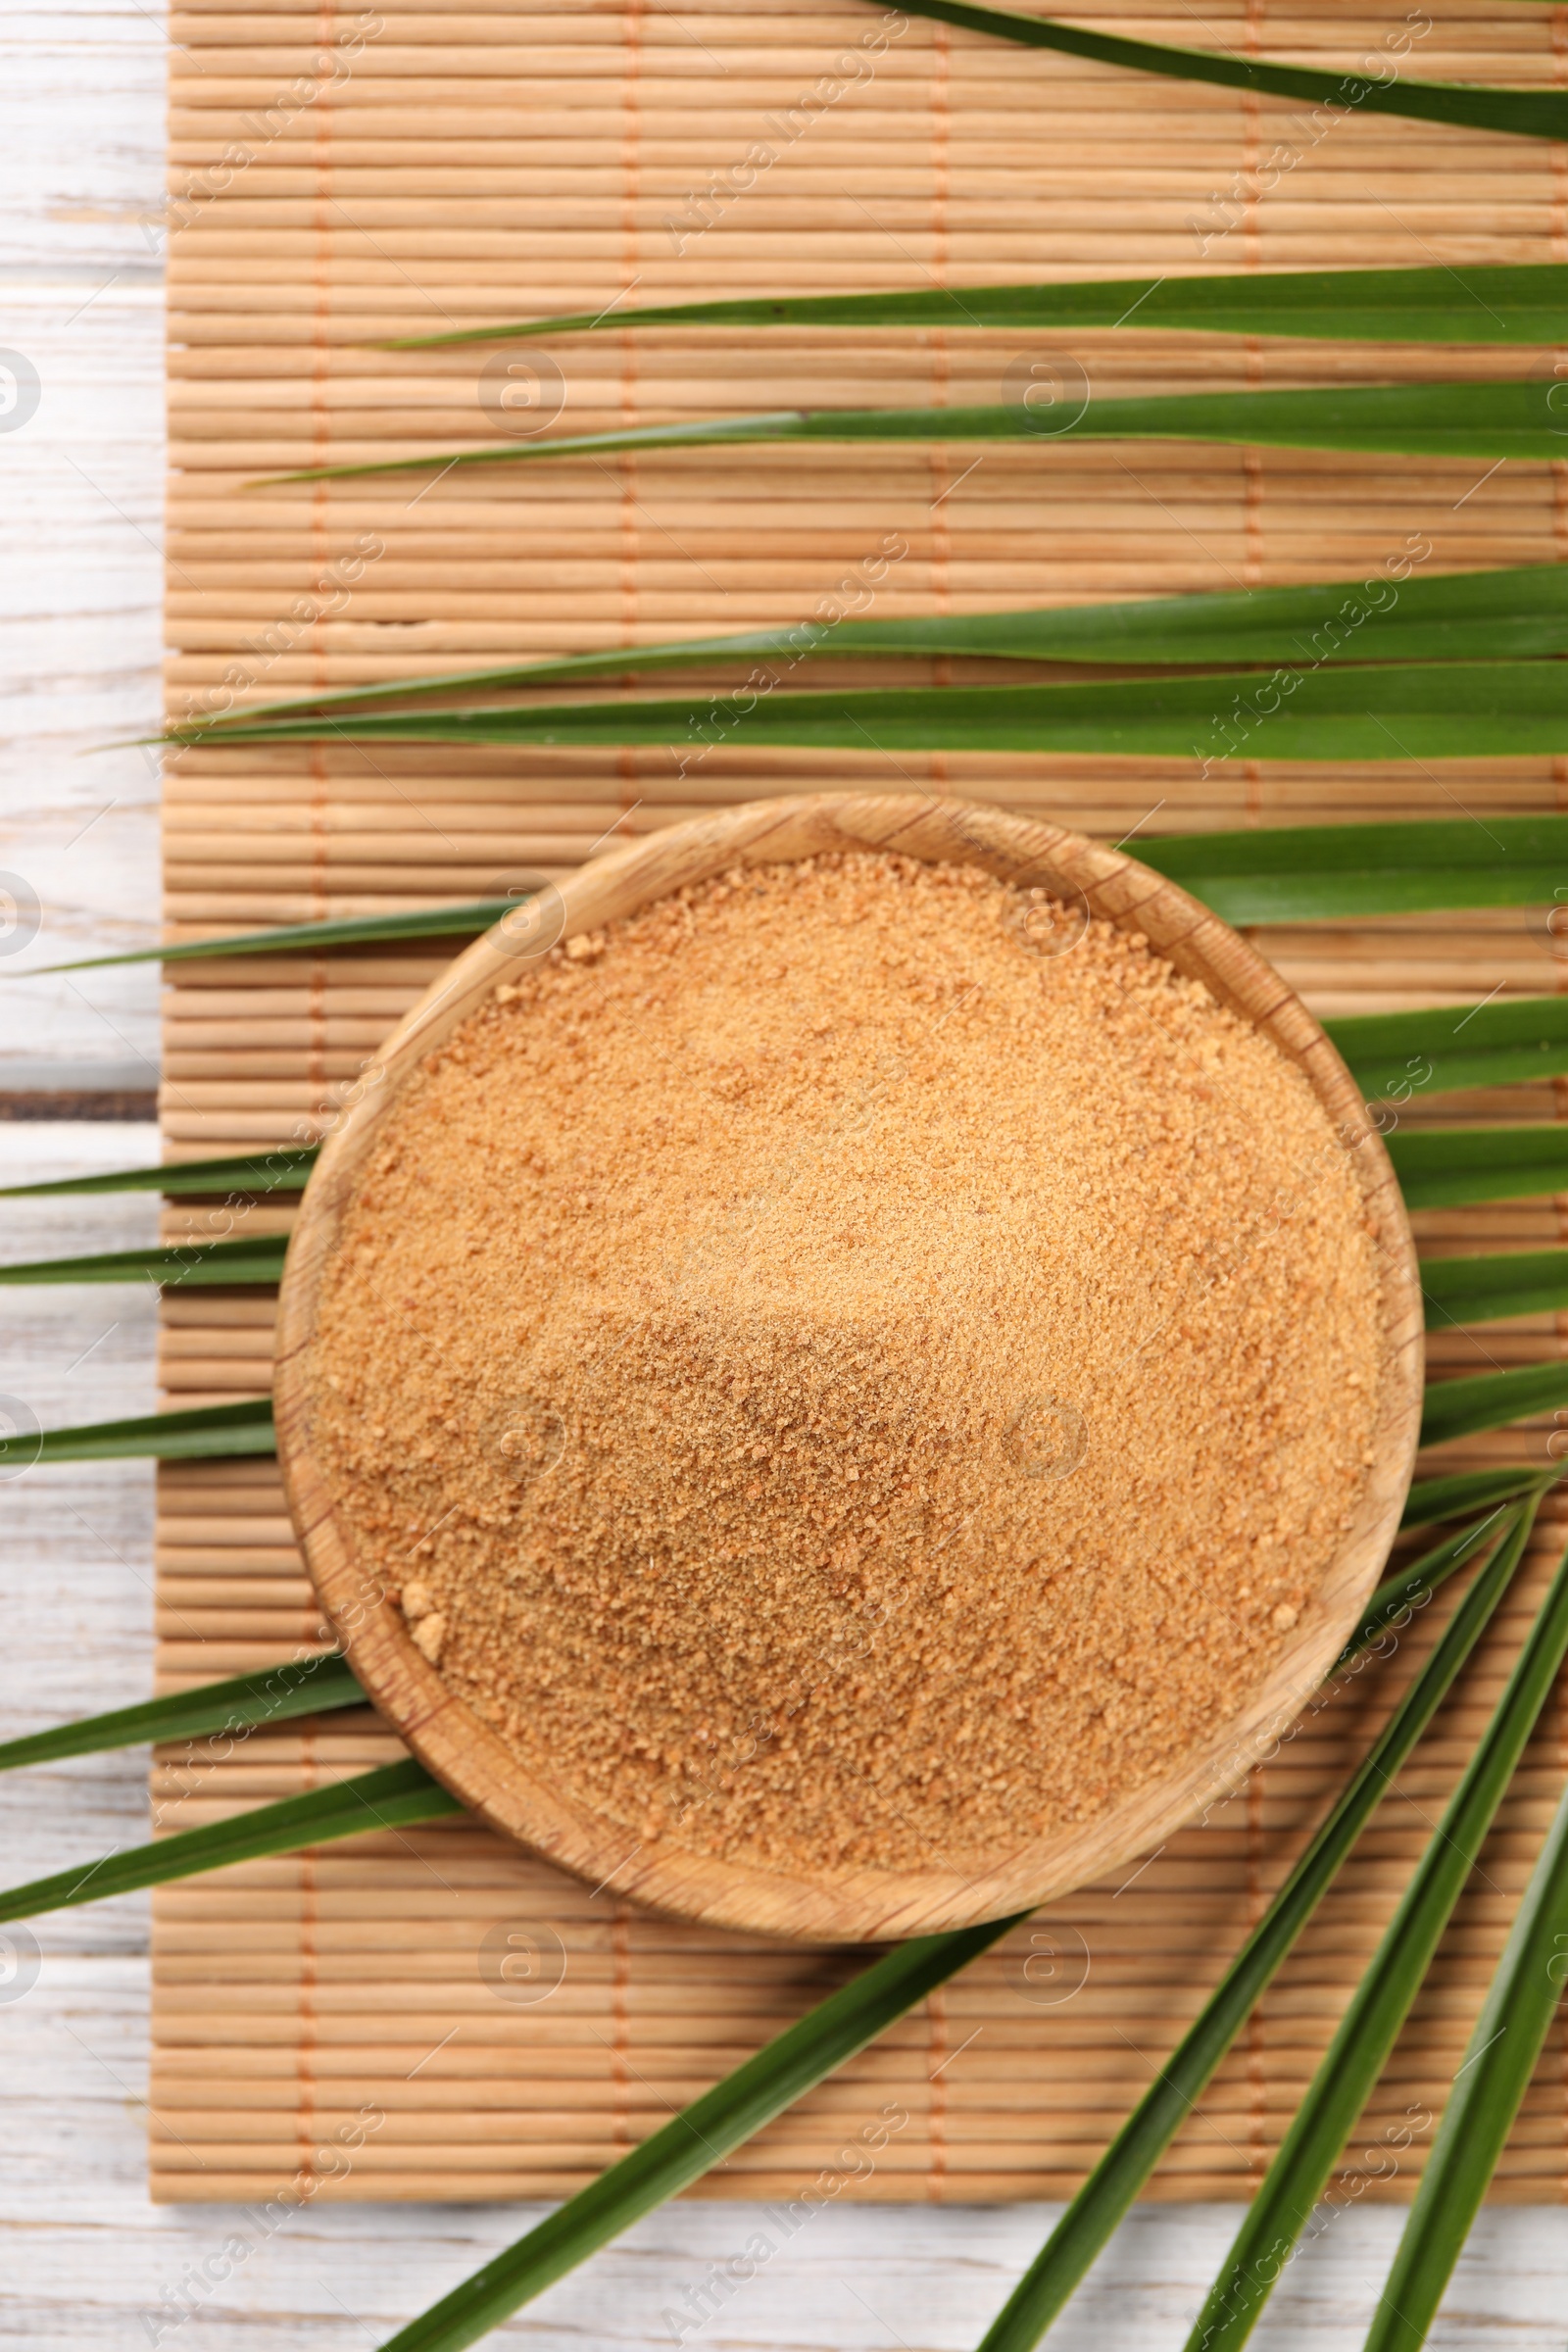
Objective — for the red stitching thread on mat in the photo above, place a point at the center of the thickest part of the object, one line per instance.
(936, 2045)
(630, 146)
(940, 471)
(1256, 2109)
(305, 2077)
(1557, 152)
(1252, 561)
(620, 2068)
(1252, 239)
(321, 158)
(1253, 459)
(940, 360)
(1253, 478)
(1254, 811)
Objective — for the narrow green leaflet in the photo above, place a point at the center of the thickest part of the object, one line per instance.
(205, 1433)
(178, 1265)
(1380, 2002)
(1457, 1408)
(1402, 711)
(1469, 615)
(699, 2138)
(1409, 1589)
(1300, 873)
(1529, 114)
(1487, 1289)
(1487, 2092)
(1295, 875)
(1432, 1500)
(246, 1701)
(1483, 422)
(424, 922)
(1100, 2205)
(1444, 1168)
(1397, 1056)
(283, 1170)
(1519, 303)
(391, 1798)
(1304, 873)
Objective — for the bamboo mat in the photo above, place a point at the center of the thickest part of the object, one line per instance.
(341, 178)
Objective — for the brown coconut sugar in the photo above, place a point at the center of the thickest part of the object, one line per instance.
(832, 1382)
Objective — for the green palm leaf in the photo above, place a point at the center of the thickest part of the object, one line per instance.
(1457, 1408)
(283, 1169)
(179, 1265)
(1528, 114)
(1444, 1168)
(1111, 2189)
(204, 1433)
(389, 1799)
(1398, 1055)
(1476, 421)
(1489, 1289)
(1515, 303)
(699, 2138)
(272, 1694)
(1299, 873)
(1488, 2091)
(1470, 615)
(1382, 2000)
(421, 923)
(1399, 710)
(1309, 873)
(1434, 1499)
(1411, 1588)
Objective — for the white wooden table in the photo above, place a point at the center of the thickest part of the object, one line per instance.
(88, 2262)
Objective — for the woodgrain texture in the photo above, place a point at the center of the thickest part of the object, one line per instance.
(80, 640)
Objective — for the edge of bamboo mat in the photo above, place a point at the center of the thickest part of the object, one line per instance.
(496, 168)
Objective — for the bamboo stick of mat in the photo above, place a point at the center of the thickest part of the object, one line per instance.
(434, 168)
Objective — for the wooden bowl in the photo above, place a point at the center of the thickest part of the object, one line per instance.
(845, 1902)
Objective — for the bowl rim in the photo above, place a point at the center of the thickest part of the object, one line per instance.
(844, 1902)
